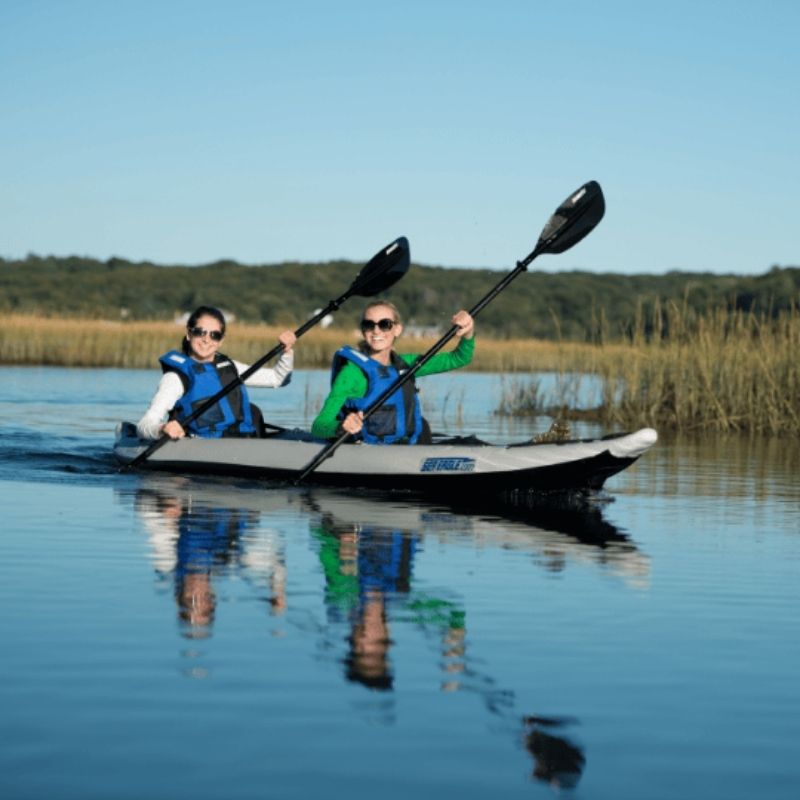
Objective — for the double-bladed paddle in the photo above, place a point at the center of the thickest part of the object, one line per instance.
(382, 271)
(572, 220)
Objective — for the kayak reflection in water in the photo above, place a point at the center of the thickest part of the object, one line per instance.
(359, 376)
(195, 543)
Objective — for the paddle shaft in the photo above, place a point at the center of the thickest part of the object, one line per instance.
(420, 362)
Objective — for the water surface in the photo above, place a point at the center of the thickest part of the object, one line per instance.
(174, 637)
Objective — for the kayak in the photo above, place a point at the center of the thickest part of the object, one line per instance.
(459, 467)
(463, 467)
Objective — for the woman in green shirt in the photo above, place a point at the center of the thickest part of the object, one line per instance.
(361, 375)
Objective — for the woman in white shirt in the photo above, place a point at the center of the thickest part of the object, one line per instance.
(198, 372)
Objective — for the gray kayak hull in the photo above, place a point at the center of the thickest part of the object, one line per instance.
(448, 469)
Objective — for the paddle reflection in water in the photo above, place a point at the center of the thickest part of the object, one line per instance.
(368, 571)
(369, 587)
(202, 532)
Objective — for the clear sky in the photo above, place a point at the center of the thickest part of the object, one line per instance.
(185, 132)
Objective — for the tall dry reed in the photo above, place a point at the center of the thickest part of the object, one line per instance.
(96, 343)
(718, 371)
(722, 371)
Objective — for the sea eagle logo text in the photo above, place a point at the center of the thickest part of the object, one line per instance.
(455, 464)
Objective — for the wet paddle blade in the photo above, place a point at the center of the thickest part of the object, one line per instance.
(384, 269)
(573, 219)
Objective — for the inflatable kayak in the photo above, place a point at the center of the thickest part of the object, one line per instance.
(454, 467)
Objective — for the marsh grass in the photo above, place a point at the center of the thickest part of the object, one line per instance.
(677, 370)
(98, 343)
(721, 371)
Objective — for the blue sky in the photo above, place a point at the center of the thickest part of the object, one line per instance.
(185, 132)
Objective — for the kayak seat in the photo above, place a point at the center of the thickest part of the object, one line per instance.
(440, 438)
(126, 430)
(293, 435)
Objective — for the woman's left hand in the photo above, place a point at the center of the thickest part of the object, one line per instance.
(466, 325)
(287, 339)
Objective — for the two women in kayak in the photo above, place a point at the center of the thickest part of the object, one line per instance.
(359, 375)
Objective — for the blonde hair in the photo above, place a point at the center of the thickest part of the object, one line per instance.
(385, 304)
(362, 345)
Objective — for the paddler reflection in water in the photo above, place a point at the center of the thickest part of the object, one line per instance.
(196, 542)
(359, 376)
(197, 373)
(367, 574)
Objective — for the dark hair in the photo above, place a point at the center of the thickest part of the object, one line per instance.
(201, 311)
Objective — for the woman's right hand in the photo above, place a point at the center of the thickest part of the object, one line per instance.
(173, 429)
(353, 422)
(465, 323)
(287, 339)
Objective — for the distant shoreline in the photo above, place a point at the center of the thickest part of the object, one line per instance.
(574, 306)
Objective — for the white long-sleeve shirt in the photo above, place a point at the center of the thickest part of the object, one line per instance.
(170, 390)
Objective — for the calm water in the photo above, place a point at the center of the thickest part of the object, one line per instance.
(170, 637)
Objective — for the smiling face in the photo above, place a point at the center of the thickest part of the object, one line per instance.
(380, 340)
(205, 338)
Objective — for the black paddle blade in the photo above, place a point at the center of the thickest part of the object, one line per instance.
(384, 269)
(573, 219)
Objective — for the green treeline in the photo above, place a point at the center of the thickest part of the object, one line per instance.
(571, 305)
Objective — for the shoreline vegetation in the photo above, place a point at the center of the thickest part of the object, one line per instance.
(544, 305)
(675, 369)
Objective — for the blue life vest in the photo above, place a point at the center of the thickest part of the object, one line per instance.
(208, 538)
(230, 416)
(399, 419)
(385, 561)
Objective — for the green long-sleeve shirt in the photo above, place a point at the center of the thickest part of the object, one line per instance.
(352, 383)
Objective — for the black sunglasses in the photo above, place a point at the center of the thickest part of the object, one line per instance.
(370, 325)
(196, 333)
